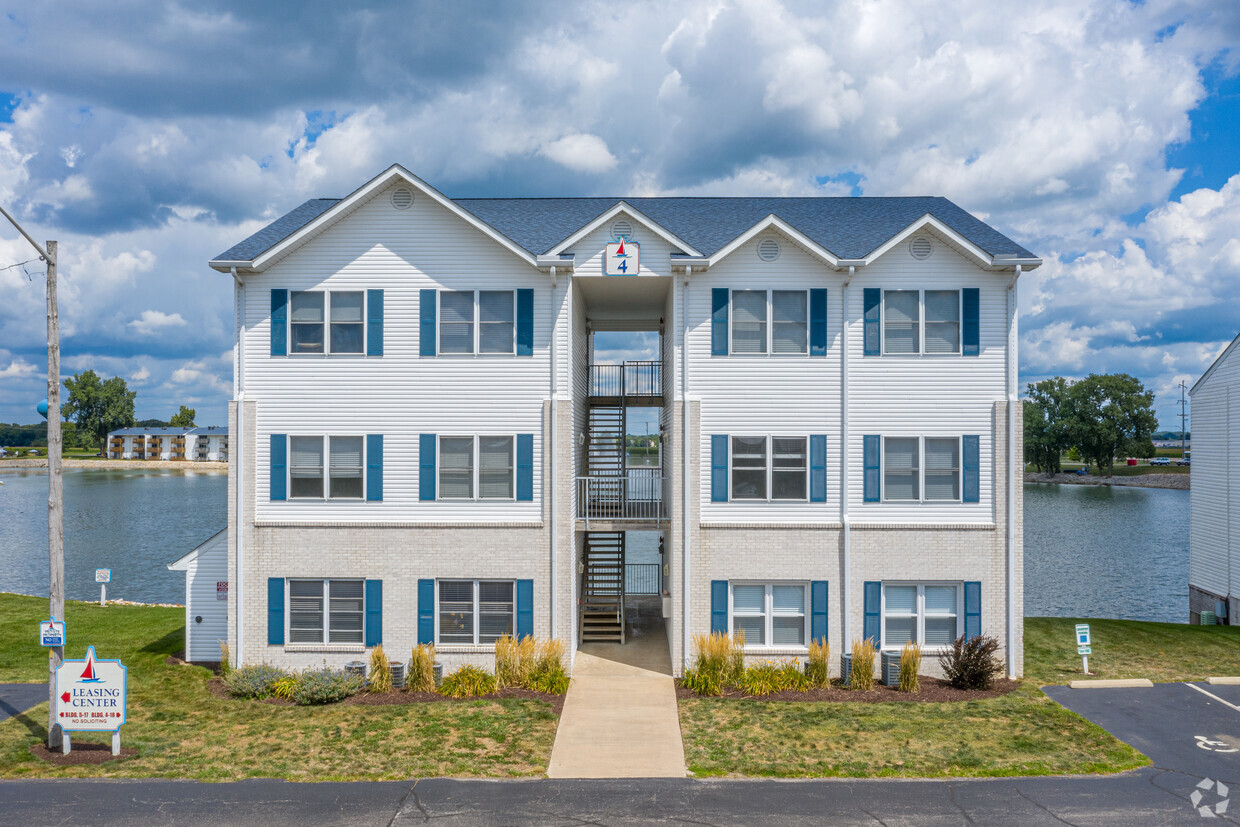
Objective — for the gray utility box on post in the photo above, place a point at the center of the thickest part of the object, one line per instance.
(846, 669)
(891, 668)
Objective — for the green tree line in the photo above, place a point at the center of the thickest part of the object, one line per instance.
(1100, 417)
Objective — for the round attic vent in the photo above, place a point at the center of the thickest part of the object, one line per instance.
(621, 229)
(768, 249)
(920, 247)
(402, 198)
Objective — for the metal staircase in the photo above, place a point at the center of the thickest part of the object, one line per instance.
(602, 592)
(605, 442)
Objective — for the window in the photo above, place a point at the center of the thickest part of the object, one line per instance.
(921, 469)
(770, 614)
(346, 327)
(788, 468)
(921, 321)
(785, 475)
(345, 611)
(475, 611)
(344, 479)
(749, 468)
(774, 322)
(928, 614)
(480, 321)
(492, 475)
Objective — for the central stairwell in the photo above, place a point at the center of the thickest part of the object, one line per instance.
(602, 593)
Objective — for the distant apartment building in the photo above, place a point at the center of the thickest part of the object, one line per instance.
(208, 444)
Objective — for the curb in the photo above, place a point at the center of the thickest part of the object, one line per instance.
(1224, 681)
(1128, 683)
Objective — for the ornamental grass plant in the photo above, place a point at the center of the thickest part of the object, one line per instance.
(770, 677)
(547, 672)
(910, 666)
(380, 681)
(468, 682)
(514, 660)
(720, 663)
(225, 658)
(818, 665)
(421, 670)
(861, 678)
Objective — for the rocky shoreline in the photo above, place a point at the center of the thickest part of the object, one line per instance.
(116, 464)
(1177, 481)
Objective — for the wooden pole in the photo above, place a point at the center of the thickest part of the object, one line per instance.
(55, 495)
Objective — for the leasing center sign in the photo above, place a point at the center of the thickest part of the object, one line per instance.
(91, 694)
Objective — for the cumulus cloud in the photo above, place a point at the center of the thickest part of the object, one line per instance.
(155, 321)
(18, 368)
(583, 153)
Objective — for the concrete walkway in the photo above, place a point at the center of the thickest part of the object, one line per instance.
(620, 718)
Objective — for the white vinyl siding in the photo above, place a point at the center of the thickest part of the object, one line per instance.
(929, 614)
(326, 611)
(477, 467)
(769, 615)
(206, 615)
(1214, 537)
(475, 612)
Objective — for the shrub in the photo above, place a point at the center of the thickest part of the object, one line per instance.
(420, 675)
(547, 672)
(253, 681)
(325, 686)
(719, 664)
(767, 678)
(972, 664)
(514, 660)
(225, 658)
(818, 666)
(380, 672)
(861, 678)
(468, 682)
(285, 687)
(910, 666)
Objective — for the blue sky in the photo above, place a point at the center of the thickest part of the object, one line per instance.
(1100, 134)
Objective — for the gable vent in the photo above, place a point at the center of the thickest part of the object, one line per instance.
(621, 228)
(768, 249)
(920, 247)
(402, 198)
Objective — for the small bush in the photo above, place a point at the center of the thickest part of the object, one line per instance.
(325, 686)
(380, 672)
(285, 687)
(420, 675)
(972, 664)
(910, 666)
(720, 663)
(861, 678)
(253, 681)
(468, 682)
(547, 672)
(818, 666)
(225, 658)
(514, 660)
(768, 678)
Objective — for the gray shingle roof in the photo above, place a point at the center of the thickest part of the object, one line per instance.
(847, 227)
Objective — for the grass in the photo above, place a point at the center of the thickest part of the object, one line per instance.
(180, 730)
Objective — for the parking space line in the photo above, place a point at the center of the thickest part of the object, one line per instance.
(1212, 695)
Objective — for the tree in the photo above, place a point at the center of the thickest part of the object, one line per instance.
(183, 418)
(1048, 418)
(1112, 415)
(98, 407)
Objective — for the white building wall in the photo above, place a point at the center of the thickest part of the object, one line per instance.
(1215, 514)
(203, 637)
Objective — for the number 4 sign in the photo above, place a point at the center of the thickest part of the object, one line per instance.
(622, 258)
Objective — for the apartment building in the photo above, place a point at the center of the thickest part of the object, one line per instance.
(208, 444)
(426, 449)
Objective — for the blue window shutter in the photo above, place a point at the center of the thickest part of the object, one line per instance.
(818, 322)
(818, 468)
(374, 322)
(972, 609)
(427, 304)
(525, 467)
(374, 612)
(279, 322)
(972, 464)
(525, 322)
(719, 606)
(873, 605)
(374, 467)
(873, 485)
(279, 462)
(873, 309)
(971, 328)
(275, 611)
(818, 610)
(719, 321)
(426, 611)
(525, 609)
(426, 464)
(719, 468)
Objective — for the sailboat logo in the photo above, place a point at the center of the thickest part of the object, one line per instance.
(88, 676)
(620, 253)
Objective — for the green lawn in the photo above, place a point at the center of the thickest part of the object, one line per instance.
(180, 730)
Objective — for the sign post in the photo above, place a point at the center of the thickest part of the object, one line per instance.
(91, 697)
(1083, 647)
(103, 577)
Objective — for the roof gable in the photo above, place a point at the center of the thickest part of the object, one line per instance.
(1222, 357)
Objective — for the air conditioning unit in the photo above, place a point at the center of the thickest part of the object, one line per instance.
(438, 670)
(356, 667)
(1208, 619)
(846, 669)
(398, 674)
(891, 668)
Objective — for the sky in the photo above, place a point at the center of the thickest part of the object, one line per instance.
(147, 137)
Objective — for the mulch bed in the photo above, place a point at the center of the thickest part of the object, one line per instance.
(932, 690)
(216, 687)
(82, 753)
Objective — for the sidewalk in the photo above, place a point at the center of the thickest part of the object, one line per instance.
(620, 718)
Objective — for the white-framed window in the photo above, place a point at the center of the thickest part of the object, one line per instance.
(769, 614)
(921, 469)
(326, 611)
(770, 321)
(921, 321)
(477, 467)
(769, 467)
(327, 321)
(475, 611)
(340, 478)
(926, 613)
(477, 321)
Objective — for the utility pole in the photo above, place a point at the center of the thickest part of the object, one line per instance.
(55, 491)
(1183, 387)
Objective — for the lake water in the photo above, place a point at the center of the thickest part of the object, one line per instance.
(1090, 551)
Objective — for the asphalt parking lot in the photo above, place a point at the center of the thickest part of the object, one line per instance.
(16, 698)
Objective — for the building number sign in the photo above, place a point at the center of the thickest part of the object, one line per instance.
(622, 258)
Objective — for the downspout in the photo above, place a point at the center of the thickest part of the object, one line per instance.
(846, 587)
(239, 395)
(1012, 477)
(684, 395)
(555, 446)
